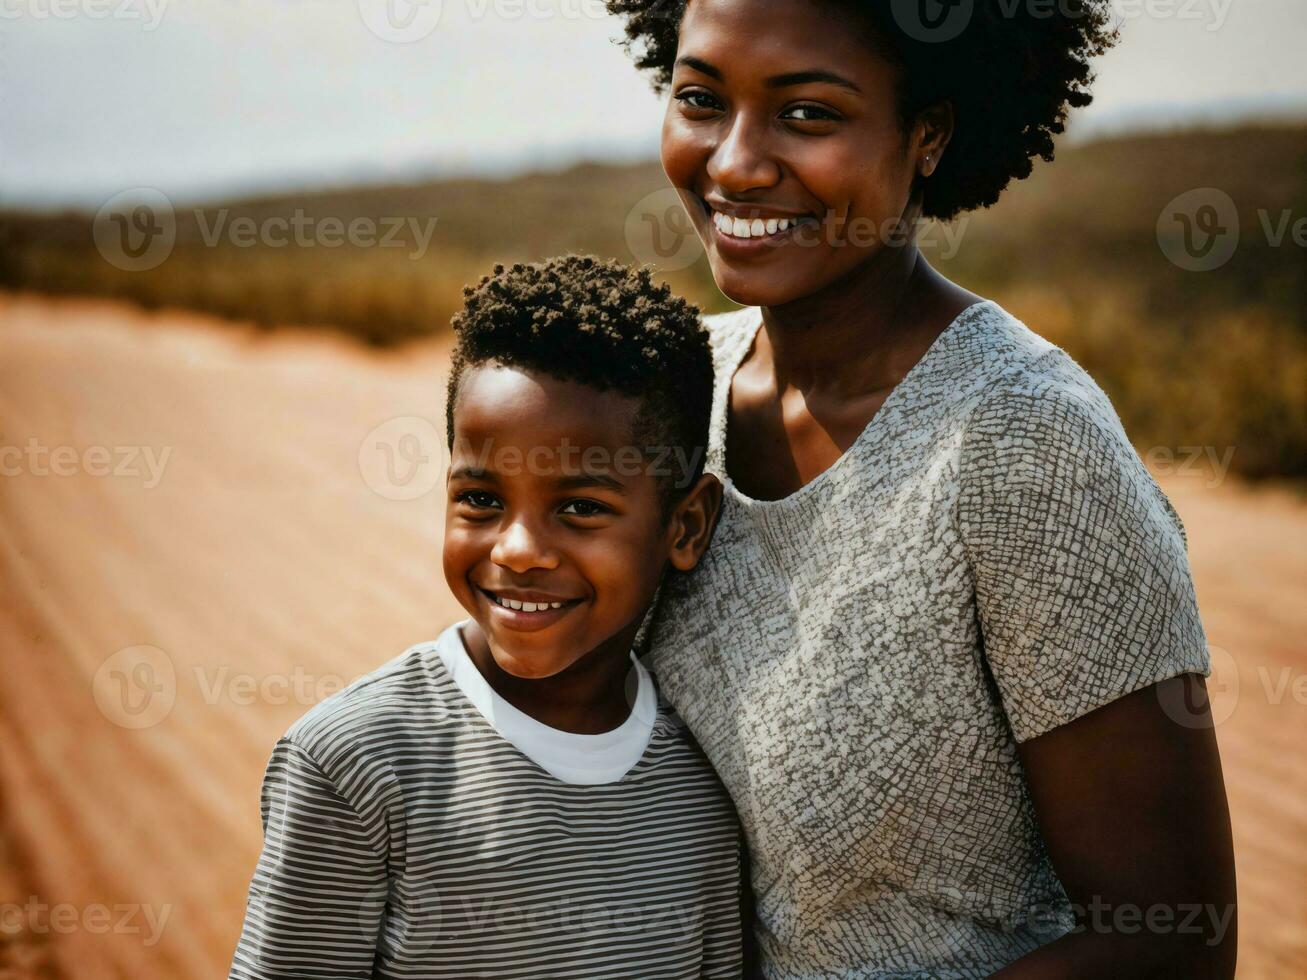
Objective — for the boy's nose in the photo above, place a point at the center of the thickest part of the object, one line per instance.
(521, 547)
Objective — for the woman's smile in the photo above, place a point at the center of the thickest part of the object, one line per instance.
(744, 231)
(782, 125)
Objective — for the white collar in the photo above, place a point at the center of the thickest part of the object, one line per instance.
(567, 756)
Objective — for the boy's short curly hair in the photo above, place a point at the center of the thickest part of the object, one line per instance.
(1011, 68)
(603, 324)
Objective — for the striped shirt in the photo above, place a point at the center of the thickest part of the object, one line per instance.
(416, 826)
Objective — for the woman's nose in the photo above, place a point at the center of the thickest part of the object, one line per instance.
(522, 547)
(743, 160)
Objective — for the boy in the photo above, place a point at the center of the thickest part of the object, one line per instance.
(512, 799)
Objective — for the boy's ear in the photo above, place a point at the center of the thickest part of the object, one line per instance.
(693, 522)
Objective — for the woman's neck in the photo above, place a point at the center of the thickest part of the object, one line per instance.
(864, 331)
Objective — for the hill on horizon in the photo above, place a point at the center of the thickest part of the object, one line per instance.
(1095, 251)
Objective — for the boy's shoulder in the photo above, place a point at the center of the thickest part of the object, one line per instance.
(408, 698)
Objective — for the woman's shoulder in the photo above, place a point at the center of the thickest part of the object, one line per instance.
(1042, 427)
(720, 324)
(1030, 380)
(730, 333)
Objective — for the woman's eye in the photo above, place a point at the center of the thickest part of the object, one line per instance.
(809, 113)
(584, 508)
(697, 99)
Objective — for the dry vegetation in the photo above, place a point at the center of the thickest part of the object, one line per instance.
(1215, 359)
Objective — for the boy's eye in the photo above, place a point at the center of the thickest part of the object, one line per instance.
(584, 508)
(477, 499)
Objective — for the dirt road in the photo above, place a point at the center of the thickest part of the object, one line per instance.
(204, 530)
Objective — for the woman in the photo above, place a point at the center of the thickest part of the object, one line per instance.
(944, 650)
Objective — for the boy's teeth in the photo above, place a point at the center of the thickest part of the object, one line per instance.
(527, 606)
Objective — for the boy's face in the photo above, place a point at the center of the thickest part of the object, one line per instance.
(550, 503)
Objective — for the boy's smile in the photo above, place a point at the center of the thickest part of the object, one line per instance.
(528, 610)
(553, 540)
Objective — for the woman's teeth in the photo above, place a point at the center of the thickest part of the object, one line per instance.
(526, 606)
(755, 228)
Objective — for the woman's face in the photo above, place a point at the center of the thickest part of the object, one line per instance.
(782, 112)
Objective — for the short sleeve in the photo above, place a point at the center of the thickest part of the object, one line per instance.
(1083, 587)
(316, 899)
(724, 939)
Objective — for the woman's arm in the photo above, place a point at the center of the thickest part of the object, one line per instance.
(1092, 634)
(1132, 806)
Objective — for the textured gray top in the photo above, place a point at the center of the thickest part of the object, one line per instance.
(989, 560)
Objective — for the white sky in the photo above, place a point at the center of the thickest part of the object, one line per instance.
(206, 97)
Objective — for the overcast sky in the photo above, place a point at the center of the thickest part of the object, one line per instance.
(227, 96)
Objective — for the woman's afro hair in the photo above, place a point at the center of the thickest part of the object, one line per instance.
(1011, 68)
(603, 324)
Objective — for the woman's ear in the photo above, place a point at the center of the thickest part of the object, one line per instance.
(693, 522)
(932, 132)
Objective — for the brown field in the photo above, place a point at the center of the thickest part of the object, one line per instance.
(263, 556)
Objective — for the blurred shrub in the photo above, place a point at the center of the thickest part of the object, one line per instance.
(1190, 359)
